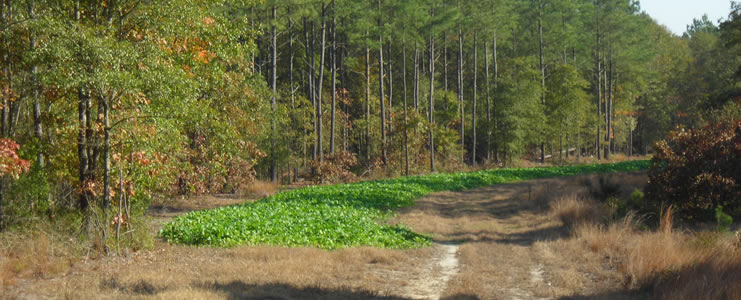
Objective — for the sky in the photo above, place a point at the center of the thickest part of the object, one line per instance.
(677, 14)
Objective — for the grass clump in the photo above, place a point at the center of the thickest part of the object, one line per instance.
(345, 215)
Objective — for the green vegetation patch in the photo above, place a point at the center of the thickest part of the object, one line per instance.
(346, 215)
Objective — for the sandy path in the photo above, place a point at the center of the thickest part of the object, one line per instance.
(435, 274)
(506, 244)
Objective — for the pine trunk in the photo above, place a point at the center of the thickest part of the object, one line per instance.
(416, 78)
(488, 102)
(542, 74)
(334, 82)
(406, 133)
(473, 109)
(37, 129)
(274, 80)
(599, 96)
(389, 108)
(320, 149)
(432, 103)
(461, 109)
(367, 102)
(380, 89)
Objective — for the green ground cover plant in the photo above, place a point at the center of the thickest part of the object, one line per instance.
(346, 215)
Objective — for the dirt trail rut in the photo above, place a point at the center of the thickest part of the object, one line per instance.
(506, 243)
(435, 274)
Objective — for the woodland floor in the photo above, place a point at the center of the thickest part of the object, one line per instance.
(497, 242)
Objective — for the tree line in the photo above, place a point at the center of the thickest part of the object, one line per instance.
(117, 102)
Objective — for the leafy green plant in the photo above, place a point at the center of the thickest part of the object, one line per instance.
(724, 220)
(637, 197)
(345, 215)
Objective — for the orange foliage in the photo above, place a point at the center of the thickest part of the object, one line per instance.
(10, 162)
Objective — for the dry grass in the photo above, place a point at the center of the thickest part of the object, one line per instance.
(35, 255)
(575, 210)
(262, 272)
(673, 265)
(716, 275)
(261, 189)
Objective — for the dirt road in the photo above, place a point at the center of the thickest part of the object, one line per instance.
(497, 242)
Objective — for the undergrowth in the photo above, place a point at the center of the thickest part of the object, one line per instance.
(346, 215)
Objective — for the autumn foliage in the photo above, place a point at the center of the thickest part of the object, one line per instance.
(10, 162)
(698, 170)
(335, 168)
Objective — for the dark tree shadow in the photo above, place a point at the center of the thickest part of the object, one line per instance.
(277, 291)
(615, 295)
(241, 290)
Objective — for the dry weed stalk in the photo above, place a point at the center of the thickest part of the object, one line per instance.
(666, 220)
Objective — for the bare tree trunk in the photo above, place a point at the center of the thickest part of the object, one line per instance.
(274, 80)
(345, 110)
(82, 146)
(542, 73)
(35, 94)
(7, 69)
(320, 149)
(380, 91)
(488, 103)
(389, 109)
(406, 134)
(416, 78)
(445, 62)
(432, 102)
(334, 79)
(473, 111)
(461, 108)
(611, 87)
(599, 95)
(294, 143)
(120, 201)
(494, 101)
(309, 46)
(82, 141)
(606, 107)
(106, 154)
(367, 101)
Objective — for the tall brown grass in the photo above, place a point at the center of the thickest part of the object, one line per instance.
(574, 210)
(35, 254)
(261, 188)
(671, 264)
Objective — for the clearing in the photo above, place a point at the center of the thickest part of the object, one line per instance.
(497, 242)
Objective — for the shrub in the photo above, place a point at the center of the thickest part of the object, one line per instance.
(697, 170)
(335, 168)
(637, 197)
(724, 220)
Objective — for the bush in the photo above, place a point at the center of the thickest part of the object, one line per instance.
(336, 167)
(697, 170)
(637, 197)
(724, 220)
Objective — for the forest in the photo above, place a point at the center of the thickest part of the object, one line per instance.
(114, 104)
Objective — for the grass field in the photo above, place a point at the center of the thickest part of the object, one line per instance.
(346, 215)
